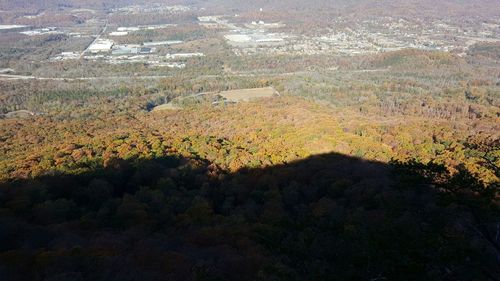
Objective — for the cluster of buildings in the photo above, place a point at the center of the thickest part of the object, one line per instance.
(132, 49)
(31, 31)
(152, 53)
(152, 8)
(42, 31)
(350, 36)
(146, 58)
(254, 39)
(123, 30)
(252, 35)
(105, 50)
(261, 24)
(388, 34)
(12, 27)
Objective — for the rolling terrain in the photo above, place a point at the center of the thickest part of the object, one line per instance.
(261, 140)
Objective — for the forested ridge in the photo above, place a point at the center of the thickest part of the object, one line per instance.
(175, 218)
(248, 192)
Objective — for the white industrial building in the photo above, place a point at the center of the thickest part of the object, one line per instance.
(118, 33)
(160, 43)
(101, 45)
(184, 55)
(11, 27)
(127, 29)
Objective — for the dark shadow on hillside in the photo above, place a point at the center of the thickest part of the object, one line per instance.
(327, 217)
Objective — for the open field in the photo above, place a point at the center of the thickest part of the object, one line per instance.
(248, 94)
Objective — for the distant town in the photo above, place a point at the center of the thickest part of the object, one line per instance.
(110, 43)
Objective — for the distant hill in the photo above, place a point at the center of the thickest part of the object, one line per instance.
(428, 8)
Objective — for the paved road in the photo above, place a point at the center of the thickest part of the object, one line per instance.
(95, 40)
(23, 77)
(145, 77)
(157, 77)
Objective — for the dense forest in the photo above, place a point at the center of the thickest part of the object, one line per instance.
(173, 218)
(250, 191)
